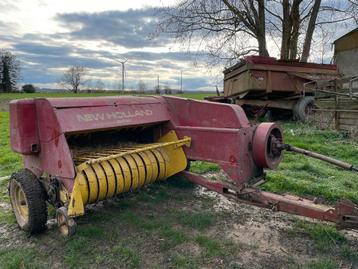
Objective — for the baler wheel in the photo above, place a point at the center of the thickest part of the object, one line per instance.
(66, 224)
(28, 201)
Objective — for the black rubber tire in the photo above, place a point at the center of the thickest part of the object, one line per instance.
(35, 198)
(300, 109)
(188, 165)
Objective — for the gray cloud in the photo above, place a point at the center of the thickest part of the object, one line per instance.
(43, 56)
(130, 29)
(7, 5)
(40, 62)
(40, 49)
(154, 56)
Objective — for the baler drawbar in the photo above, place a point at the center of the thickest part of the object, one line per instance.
(84, 150)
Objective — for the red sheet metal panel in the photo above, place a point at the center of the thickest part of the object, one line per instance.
(46, 121)
(102, 101)
(23, 129)
(188, 112)
(220, 133)
(96, 118)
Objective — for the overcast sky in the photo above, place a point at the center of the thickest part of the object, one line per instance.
(49, 36)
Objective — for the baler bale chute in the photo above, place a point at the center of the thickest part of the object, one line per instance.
(84, 150)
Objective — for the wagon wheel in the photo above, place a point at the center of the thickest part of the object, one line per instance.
(28, 201)
(304, 109)
(66, 225)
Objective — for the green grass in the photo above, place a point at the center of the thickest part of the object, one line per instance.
(203, 167)
(79, 252)
(325, 237)
(212, 247)
(125, 256)
(184, 261)
(11, 96)
(9, 161)
(20, 95)
(161, 226)
(197, 220)
(4, 197)
(349, 254)
(19, 258)
(92, 232)
(328, 241)
(7, 217)
(322, 264)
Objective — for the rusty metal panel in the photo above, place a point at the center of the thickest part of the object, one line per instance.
(267, 75)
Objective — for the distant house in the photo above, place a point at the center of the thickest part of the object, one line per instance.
(346, 54)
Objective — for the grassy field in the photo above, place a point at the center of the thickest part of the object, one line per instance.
(166, 226)
(5, 98)
(306, 176)
(11, 96)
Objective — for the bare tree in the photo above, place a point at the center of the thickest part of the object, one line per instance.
(223, 28)
(298, 20)
(73, 78)
(9, 71)
(228, 29)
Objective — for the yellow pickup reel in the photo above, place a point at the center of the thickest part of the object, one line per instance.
(105, 173)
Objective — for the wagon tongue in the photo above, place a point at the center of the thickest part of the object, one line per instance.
(347, 215)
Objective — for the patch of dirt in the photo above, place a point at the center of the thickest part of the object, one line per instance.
(5, 206)
(264, 236)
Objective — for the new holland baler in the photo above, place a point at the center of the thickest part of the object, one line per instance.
(84, 150)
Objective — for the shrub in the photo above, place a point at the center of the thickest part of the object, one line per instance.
(28, 88)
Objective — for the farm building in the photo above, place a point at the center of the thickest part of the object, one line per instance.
(341, 109)
(346, 53)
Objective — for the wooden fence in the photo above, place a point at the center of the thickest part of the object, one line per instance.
(339, 113)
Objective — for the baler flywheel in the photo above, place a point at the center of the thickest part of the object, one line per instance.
(102, 174)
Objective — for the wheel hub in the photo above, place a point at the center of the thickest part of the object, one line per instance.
(19, 203)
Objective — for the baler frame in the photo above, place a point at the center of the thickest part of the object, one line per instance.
(344, 214)
(180, 130)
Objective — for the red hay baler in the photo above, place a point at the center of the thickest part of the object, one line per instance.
(84, 150)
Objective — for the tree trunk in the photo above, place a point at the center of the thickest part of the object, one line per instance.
(261, 29)
(295, 24)
(310, 30)
(286, 30)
